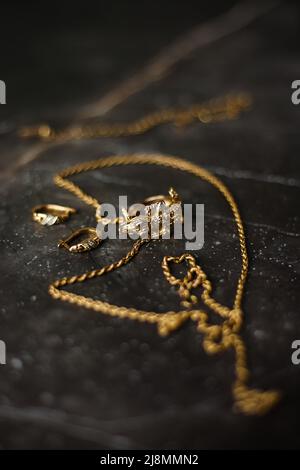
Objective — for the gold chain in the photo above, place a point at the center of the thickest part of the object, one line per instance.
(228, 107)
(216, 337)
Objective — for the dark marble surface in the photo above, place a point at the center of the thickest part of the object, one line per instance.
(77, 379)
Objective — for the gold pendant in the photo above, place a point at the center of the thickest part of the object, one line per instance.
(154, 221)
(87, 244)
(168, 200)
(50, 214)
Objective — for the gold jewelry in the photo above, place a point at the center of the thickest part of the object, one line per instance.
(216, 337)
(50, 214)
(220, 109)
(172, 198)
(151, 220)
(89, 243)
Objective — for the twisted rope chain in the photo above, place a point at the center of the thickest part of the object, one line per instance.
(216, 338)
(220, 109)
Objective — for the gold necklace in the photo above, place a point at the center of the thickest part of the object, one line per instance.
(216, 337)
(220, 109)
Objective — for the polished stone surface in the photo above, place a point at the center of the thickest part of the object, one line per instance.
(78, 379)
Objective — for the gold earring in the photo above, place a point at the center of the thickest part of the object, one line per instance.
(50, 214)
(89, 243)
